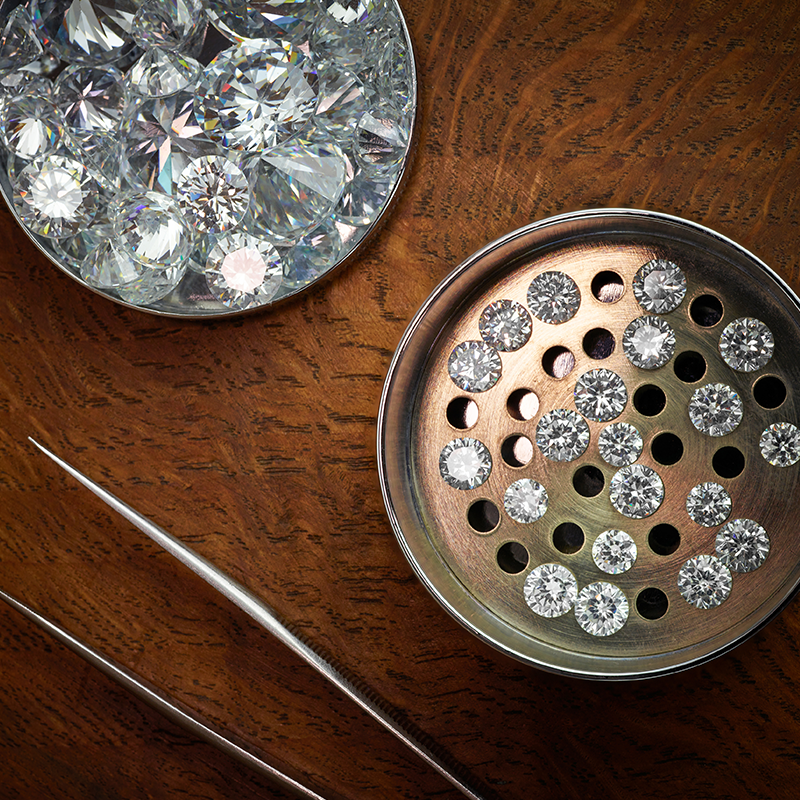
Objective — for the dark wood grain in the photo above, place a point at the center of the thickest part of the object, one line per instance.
(254, 441)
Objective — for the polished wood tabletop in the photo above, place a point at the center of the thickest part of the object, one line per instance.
(254, 440)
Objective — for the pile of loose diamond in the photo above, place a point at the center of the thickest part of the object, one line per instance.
(245, 146)
(636, 490)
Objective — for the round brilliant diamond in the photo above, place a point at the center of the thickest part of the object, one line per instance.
(562, 435)
(213, 194)
(550, 590)
(746, 344)
(465, 463)
(600, 395)
(505, 325)
(715, 409)
(620, 444)
(780, 444)
(614, 551)
(553, 297)
(525, 500)
(704, 581)
(659, 286)
(474, 366)
(742, 545)
(312, 256)
(31, 126)
(648, 342)
(636, 491)
(601, 608)
(708, 504)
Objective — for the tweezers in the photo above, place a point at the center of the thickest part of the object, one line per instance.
(240, 596)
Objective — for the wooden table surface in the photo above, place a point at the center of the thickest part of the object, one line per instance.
(253, 440)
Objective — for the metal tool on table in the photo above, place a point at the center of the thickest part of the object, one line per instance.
(264, 616)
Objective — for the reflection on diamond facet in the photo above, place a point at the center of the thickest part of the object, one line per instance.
(620, 444)
(601, 608)
(553, 297)
(161, 73)
(742, 545)
(550, 590)
(474, 366)
(153, 284)
(780, 444)
(168, 24)
(659, 286)
(708, 504)
(108, 267)
(18, 43)
(648, 342)
(312, 256)
(600, 395)
(342, 101)
(32, 126)
(290, 20)
(505, 325)
(465, 463)
(351, 12)
(381, 139)
(704, 581)
(636, 491)
(213, 194)
(746, 344)
(715, 409)
(562, 435)
(525, 500)
(614, 551)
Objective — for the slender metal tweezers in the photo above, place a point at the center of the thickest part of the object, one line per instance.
(267, 618)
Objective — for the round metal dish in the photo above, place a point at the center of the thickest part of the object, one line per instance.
(463, 543)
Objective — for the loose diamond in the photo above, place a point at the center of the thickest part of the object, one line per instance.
(659, 286)
(600, 395)
(213, 194)
(256, 95)
(715, 409)
(76, 249)
(18, 43)
(704, 581)
(108, 267)
(363, 199)
(505, 325)
(648, 342)
(342, 101)
(474, 366)
(708, 504)
(312, 256)
(170, 24)
(780, 444)
(614, 551)
(742, 545)
(636, 491)
(161, 73)
(562, 435)
(525, 500)
(553, 297)
(746, 344)
(152, 285)
(352, 12)
(331, 41)
(465, 463)
(32, 126)
(290, 20)
(601, 608)
(620, 444)
(55, 196)
(550, 590)
(381, 139)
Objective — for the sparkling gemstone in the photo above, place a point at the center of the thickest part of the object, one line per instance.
(381, 139)
(160, 73)
(394, 74)
(290, 20)
(170, 24)
(55, 196)
(525, 500)
(312, 256)
(780, 444)
(550, 590)
(620, 444)
(715, 409)
(614, 551)
(600, 394)
(474, 366)
(243, 271)
(708, 504)
(704, 581)
(108, 267)
(465, 463)
(742, 545)
(363, 199)
(562, 435)
(648, 342)
(505, 325)
(18, 43)
(32, 126)
(73, 251)
(553, 297)
(212, 194)
(342, 101)
(352, 12)
(295, 187)
(746, 344)
(150, 227)
(24, 81)
(636, 491)
(332, 41)
(152, 285)
(659, 286)
(257, 95)
(601, 608)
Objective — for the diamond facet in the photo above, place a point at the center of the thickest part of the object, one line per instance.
(648, 342)
(636, 491)
(715, 409)
(601, 608)
(620, 444)
(290, 20)
(780, 444)
(742, 545)
(161, 73)
(381, 139)
(708, 504)
(614, 551)
(562, 435)
(550, 590)
(600, 395)
(153, 284)
(312, 256)
(168, 24)
(342, 101)
(525, 500)
(746, 344)
(474, 366)
(553, 297)
(465, 463)
(213, 194)
(32, 126)
(704, 581)
(659, 286)
(108, 267)
(18, 43)
(505, 325)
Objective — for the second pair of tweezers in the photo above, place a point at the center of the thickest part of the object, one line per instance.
(267, 618)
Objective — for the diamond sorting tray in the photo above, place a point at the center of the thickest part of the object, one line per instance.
(596, 476)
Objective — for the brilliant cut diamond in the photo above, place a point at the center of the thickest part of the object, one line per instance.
(648, 342)
(704, 581)
(636, 491)
(465, 463)
(352, 12)
(600, 395)
(292, 20)
(152, 285)
(474, 366)
(312, 256)
(161, 73)
(213, 194)
(620, 444)
(32, 126)
(614, 551)
(742, 545)
(505, 325)
(562, 435)
(108, 267)
(342, 101)
(746, 344)
(708, 504)
(553, 297)
(167, 23)
(363, 199)
(659, 286)
(550, 590)
(601, 608)
(715, 409)
(381, 139)
(18, 43)
(780, 444)
(525, 500)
